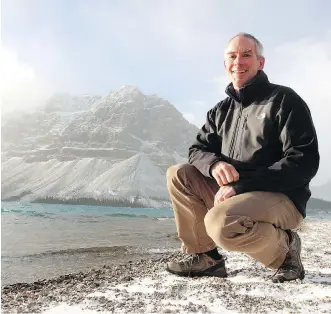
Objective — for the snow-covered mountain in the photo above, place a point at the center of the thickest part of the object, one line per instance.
(117, 146)
(69, 103)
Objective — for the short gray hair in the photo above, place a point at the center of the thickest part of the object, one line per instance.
(258, 45)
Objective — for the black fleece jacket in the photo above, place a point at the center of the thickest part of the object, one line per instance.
(266, 132)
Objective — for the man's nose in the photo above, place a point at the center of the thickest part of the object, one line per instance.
(238, 60)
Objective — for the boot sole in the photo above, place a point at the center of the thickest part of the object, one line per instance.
(283, 279)
(221, 273)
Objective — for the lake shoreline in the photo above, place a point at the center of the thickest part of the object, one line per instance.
(144, 286)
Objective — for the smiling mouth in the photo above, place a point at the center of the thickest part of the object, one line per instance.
(239, 72)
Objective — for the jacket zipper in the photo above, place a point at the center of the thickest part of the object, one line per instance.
(244, 125)
(233, 140)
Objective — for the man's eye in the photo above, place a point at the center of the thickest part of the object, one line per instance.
(247, 54)
(232, 57)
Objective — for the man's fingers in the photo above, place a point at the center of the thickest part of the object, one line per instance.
(225, 173)
(218, 179)
(216, 175)
(232, 174)
(235, 174)
(228, 174)
(218, 198)
(223, 178)
(218, 194)
(227, 195)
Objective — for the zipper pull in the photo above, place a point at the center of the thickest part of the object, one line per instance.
(245, 122)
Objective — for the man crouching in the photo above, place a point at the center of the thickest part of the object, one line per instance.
(247, 182)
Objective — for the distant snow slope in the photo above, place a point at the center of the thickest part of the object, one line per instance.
(136, 176)
(87, 177)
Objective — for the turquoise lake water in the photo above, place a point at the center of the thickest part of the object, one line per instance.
(45, 240)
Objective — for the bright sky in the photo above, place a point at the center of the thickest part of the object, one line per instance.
(168, 47)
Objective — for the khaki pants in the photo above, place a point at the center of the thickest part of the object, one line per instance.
(252, 223)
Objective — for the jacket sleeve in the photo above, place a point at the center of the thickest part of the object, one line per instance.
(300, 160)
(206, 150)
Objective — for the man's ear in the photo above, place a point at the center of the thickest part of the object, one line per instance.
(261, 61)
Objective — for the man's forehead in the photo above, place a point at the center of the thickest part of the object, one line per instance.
(240, 44)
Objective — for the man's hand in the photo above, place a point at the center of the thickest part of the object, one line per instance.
(224, 193)
(224, 173)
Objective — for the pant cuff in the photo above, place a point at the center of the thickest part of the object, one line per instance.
(278, 261)
(197, 249)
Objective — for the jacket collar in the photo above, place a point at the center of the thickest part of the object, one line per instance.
(250, 90)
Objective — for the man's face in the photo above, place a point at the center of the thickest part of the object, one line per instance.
(241, 61)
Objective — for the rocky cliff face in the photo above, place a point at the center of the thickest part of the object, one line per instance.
(101, 147)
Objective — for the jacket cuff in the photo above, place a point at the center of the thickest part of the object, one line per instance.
(241, 187)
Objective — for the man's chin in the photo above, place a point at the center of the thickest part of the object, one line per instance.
(240, 82)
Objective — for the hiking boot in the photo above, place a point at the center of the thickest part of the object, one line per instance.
(198, 265)
(292, 268)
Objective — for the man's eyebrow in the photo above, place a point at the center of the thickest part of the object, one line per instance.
(233, 52)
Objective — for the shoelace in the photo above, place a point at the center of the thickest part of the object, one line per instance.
(190, 260)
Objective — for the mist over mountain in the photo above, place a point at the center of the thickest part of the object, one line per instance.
(117, 146)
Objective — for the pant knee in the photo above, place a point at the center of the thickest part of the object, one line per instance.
(214, 225)
(172, 172)
(218, 234)
(179, 171)
(224, 230)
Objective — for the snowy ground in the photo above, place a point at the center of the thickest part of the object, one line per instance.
(144, 287)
